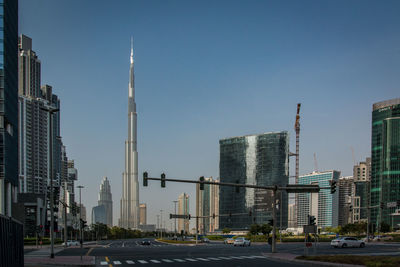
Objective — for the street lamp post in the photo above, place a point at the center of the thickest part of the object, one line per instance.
(51, 111)
(161, 223)
(175, 201)
(80, 215)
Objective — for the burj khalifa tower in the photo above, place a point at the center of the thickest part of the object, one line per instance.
(130, 186)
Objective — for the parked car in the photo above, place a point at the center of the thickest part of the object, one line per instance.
(145, 242)
(229, 241)
(71, 243)
(205, 240)
(344, 242)
(382, 238)
(241, 241)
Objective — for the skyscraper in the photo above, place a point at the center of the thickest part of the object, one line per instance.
(258, 160)
(105, 199)
(130, 186)
(323, 205)
(385, 161)
(8, 105)
(183, 209)
(208, 205)
(362, 180)
(143, 213)
(346, 196)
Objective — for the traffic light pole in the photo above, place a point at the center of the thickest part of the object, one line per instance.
(273, 245)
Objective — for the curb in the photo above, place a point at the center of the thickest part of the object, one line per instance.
(309, 263)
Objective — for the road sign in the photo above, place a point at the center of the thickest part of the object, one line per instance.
(391, 204)
(309, 229)
(179, 216)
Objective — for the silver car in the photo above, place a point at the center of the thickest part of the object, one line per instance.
(344, 242)
(241, 241)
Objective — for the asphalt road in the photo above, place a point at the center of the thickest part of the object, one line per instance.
(131, 252)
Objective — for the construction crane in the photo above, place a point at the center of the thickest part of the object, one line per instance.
(297, 129)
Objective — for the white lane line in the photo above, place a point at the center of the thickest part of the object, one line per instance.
(234, 257)
(130, 262)
(189, 259)
(103, 263)
(123, 244)
(155, 261)
(224, 258)
(259, 257)
(202, 259)
(178, 260)
(214, 259)
(142, 261)
(117, 262)
(166, 260)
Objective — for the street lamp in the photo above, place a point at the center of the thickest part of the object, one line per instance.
(175, 201)
(161, 222)
(51, 111)
(80, 214)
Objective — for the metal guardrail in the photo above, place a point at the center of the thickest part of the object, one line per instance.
(11, 242)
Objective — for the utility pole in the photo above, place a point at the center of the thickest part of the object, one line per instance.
(51, 111)
(273, 246)
(80, 214)
(175, 201)
(280, 220)
(158, 224)
(161, 222)
(65, 215)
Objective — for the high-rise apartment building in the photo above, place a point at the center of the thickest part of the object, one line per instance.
(291, 216)
(362, 179)
(8, 105)
(105, 199)
(143, 214)
(346, 198)
(207, 205)
(258, 160)
(130, 185)
(385, 161)
(323, 205)
(183, 209)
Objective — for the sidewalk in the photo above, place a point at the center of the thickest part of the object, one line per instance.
(288, 257)
(59, 261)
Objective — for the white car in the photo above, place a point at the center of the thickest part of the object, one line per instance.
(71, 243)
(241, 241)
(383, 238)
(344, 242)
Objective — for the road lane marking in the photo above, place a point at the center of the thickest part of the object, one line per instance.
(123, 244)
(117, 262)
(166, 260)
(202, 259)
(214, 259)
(90, 250)
(103, 263)
(189, 259)
(179, 260)
(155, 261)
(130, 262)
(224, 258)
(142, 261)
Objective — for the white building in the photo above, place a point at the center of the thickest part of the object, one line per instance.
(183, 209)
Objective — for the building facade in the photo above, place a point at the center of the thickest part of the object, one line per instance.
(258, 160)
(143, 214)
(385, 161)
(105, 199)
(346, 198)
(130, 185)
(362, 179)
(99, 215)
(323, 205)
(207, 204)
(183, 209)
(8, 105)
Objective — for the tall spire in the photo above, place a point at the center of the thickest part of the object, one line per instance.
(131, 49)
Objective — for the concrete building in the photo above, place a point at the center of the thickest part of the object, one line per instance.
(105, 199)
(291, 216)
(253, 159)
(385, 162)
(183, 209)
(346, 198)
(207, 204)
(362, 180)
(130, 186)
(143, 214)
(323, 205)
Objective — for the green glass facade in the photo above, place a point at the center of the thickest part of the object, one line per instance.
(254, 159)
(385, 161)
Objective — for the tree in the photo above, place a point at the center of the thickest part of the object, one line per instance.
(254, 229)
(384, 227)
(266, 229)
(226, 231)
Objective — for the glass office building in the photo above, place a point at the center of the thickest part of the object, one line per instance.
(385, 161)
(323, 205)
(253, 159)
(8, 104)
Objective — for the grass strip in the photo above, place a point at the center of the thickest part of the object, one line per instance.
(369, 261)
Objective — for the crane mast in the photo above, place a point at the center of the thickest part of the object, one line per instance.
(297, 129)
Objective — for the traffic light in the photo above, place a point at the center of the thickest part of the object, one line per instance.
(213, 215)
(202, 183)
(350, 208)
(189, 217)
(250, 213)
(398, 203)
(311, 220)
(271, 222)
(237, 187)
(230, 214)
(83, 223)
(382, 205)
(162, 179)
(145, 182)
(333, 186)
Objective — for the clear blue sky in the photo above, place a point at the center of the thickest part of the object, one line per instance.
(207, 70)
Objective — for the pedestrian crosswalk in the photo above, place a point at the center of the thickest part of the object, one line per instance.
(183, 260)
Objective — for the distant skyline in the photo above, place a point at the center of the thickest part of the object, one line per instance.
(207, 70)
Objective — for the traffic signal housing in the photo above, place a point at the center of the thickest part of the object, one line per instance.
(145, 181)
(162, 179)
(333, 186)
(271, 222)
(201, 183)
(311, 220)
(382, 205)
